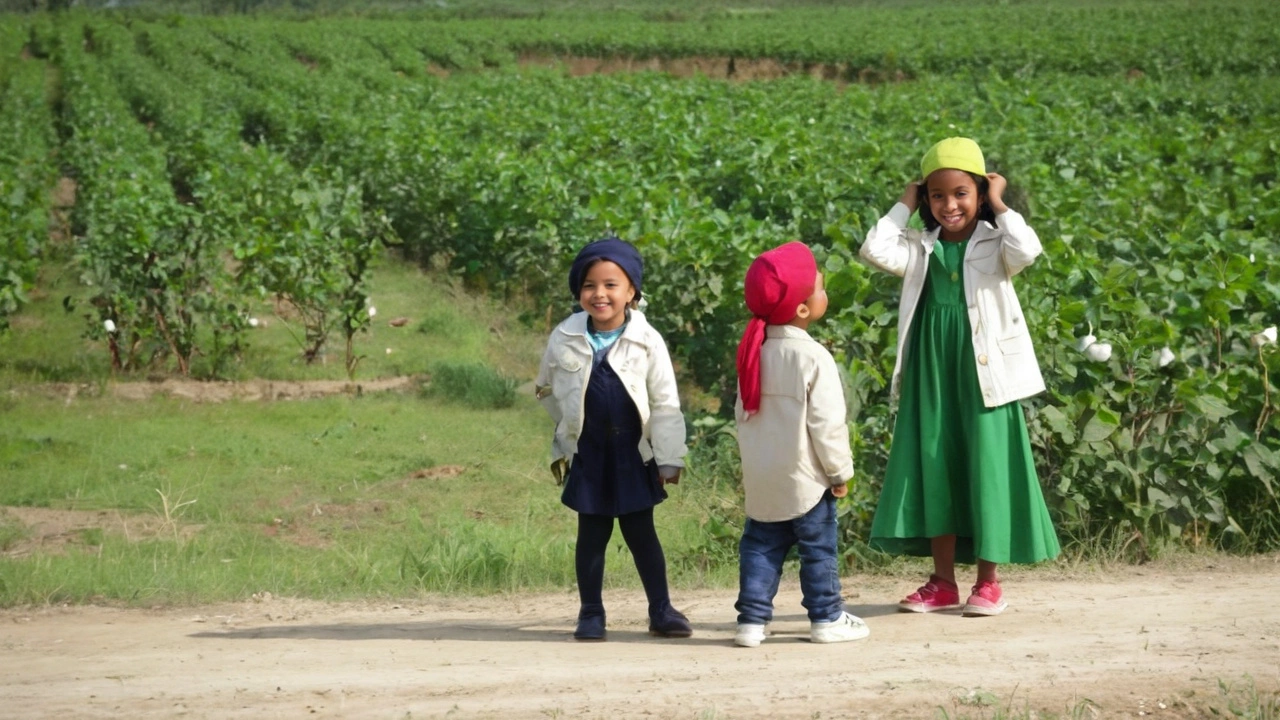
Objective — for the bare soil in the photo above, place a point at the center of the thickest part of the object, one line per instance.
(208, 391)
(717, 68)
(1164, 642)
(55, 531)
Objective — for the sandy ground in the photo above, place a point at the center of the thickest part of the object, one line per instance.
(1141, 643)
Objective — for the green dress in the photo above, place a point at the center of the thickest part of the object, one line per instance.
(957, 466)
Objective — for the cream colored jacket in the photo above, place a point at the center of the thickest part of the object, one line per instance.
(640, 359)
(797, 446)
(1006, 360)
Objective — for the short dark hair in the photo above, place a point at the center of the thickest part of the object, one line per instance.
(926, 215)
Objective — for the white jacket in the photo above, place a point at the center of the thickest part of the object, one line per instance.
(797, 446)
(640, 359)
(1006, 360)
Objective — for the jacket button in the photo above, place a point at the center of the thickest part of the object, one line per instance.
(982, 359)
(955, 276)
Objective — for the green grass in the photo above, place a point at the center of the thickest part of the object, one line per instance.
(1239, 699)
(443, 324)
(382, 495)
(388, 495)
(348, 496)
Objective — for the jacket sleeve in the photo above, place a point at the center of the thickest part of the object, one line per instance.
(666, 421)
(828, 428)
(542, 385)
(1021, 245)
(886, 245)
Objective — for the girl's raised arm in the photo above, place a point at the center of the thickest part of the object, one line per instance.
(886, 245)
(1021, 245)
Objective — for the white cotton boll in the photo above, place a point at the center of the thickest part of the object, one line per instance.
(253, 322)
(388, 351)
(1083, 343)
(1251, 258)
(372, 311)
(1166, 356)
(1098, 352)
(109, 325)
(1266, 337)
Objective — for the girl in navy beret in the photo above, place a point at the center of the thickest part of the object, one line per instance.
(607, 381)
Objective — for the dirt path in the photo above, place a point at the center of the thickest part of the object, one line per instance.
(1153, 643)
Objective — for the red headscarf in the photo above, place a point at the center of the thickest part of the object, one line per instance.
(778, 281)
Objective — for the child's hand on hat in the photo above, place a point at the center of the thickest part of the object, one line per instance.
(840, 490)
(911, 195)
(996, 185)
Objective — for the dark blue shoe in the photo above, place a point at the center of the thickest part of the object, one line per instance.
(670, 623)
(590, 627)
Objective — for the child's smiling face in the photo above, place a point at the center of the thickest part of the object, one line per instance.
(606, 293)
(954, 201)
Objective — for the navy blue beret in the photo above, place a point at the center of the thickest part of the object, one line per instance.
(611, 248)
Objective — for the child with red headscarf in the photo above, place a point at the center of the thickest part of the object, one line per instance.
(795, 450)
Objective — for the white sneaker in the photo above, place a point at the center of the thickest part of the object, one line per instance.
(749, 635)
(843, 629)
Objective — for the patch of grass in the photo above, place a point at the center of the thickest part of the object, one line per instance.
(436, 321)
(471, 384)
(382, 495)
(46, 340)
(281, 492)
(11, 531)
(1240, 699)
(345, 497)
(1244, 700)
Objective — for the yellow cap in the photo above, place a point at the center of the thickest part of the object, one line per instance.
(954, 153)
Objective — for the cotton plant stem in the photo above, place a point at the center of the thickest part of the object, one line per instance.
(1267, 409)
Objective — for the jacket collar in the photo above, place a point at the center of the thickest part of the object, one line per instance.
(790, 332)
(637, 326)
(982, 232)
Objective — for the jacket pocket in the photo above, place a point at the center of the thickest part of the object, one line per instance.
(986, 258)
(1014, 344)
(568, 362)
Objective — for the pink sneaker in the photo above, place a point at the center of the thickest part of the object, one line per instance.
(985, 600)
(935, 595)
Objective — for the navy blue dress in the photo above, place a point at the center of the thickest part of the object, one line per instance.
(607, 475)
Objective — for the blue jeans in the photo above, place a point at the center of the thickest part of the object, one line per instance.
(763, 548)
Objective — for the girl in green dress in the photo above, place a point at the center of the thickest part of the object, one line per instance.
(961, 483)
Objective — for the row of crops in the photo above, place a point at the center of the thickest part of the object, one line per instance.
(220, 161)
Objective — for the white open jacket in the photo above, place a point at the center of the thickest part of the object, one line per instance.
(640, 359)
(1006, 360)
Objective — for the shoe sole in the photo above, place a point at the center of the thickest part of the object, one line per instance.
(589, 639)
(922, 608)
(747, 642)
(981, 611)
(825, 639)
(658, 633)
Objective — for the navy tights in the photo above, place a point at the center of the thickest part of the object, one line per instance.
(594, 532)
